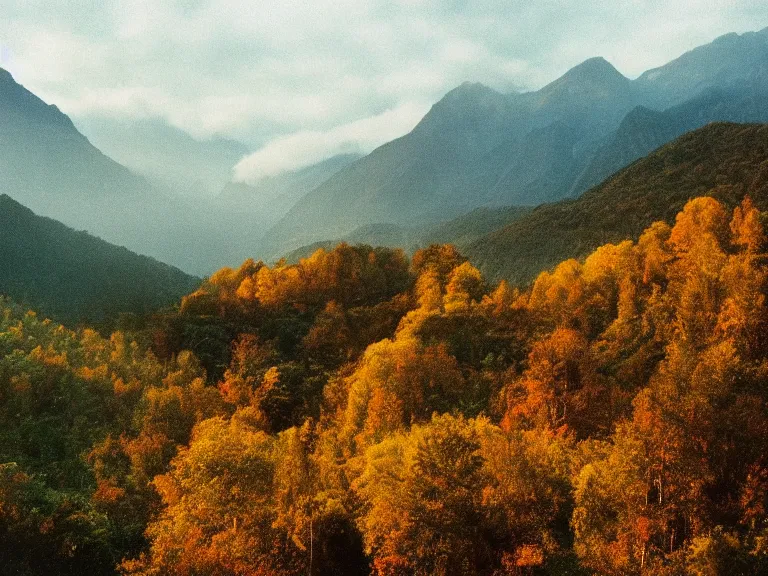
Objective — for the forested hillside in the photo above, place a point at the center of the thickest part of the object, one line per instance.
(461, 232)
(360, 413)
(725, 161)
(75, 277)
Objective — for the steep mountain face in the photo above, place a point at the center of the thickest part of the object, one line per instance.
(722, 160)
(729, 60)
(593, 96)
(46, 164)
(643, 130)
(73, 276)
(477, 147)
(40, 145)
(529, 171)
(409, 180)
(166, 155)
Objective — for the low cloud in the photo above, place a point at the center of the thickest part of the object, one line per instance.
(295, 151)
(262, 70)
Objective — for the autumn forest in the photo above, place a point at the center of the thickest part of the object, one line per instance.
(364, 413)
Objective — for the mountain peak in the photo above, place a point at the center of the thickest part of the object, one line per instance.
(593, 78)
(466, 105)
(729, 59)
(730, 36)
(470, 91)
(27, 104)
(596, 70)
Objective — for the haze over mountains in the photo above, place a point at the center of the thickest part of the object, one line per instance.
(166, 155)
(50, 167)
(475, 148)
(723, 160)
(72, 276)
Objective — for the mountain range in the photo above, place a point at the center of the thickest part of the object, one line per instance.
(167, 156)
(50, 167)
(478, 147)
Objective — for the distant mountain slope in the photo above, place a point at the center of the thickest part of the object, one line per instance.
(39, 147)
(722, 160)
(164, 154)
(50, 167)
(408, 180)
(477, 147)
(465, 229)
(474, 147)
(73, 276)
(461, 232)
(643, 130)
(273, 196)
(728, 60)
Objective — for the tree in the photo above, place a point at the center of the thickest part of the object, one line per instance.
(423, 499)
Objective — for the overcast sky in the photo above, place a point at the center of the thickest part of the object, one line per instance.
(299, 80)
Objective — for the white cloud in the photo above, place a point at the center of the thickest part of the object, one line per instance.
(287, 153)
(257, 71)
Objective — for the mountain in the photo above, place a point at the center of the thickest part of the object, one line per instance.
(75, 277)
(460, 232)
(593, 96)
(272, 196)
(50, 167)
(408, 180)
(643, 130)
(722, 160)
(474, 147)
(477, 147)
(728, 60)
(465, 229)
(164, 154)
(40, 146)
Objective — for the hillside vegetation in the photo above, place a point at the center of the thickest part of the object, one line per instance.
(725, 161)
(75, 277)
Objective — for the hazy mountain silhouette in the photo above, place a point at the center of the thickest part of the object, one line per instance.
(166, 155)
(644, 130)
(723, 160)
(477, 147)
(49, 166)
(73, 276)
(728, 60)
